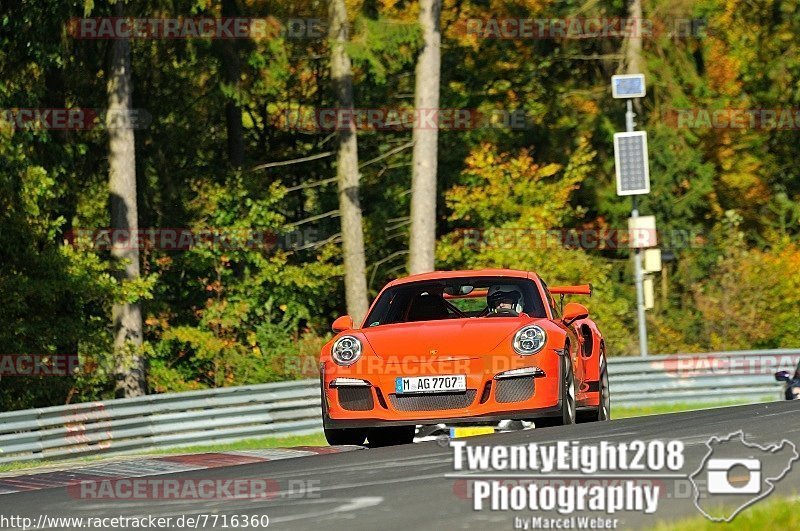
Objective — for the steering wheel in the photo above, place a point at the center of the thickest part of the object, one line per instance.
(503, 312)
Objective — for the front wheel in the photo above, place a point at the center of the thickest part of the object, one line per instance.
(345, 436)
(341, 436)
(567, 415)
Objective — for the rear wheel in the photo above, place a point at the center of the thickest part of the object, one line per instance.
(603, 411)
(345, 436)
(567, 415)
(391, 436)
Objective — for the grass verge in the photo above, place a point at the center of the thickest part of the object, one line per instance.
(621, 412)
(772, 514)
(314, 439)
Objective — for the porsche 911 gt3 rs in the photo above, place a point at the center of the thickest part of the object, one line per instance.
(462, 347)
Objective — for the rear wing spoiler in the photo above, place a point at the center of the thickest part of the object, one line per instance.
(582, 289)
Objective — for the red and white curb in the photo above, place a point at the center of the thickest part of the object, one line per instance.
(153, 466)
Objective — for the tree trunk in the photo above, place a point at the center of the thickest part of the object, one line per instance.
(633, 51)
(422, 242)
(231, 73)
(355, 279)
(127, 318)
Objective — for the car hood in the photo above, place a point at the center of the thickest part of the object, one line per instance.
(441, 340)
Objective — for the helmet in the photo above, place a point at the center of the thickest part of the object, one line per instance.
(504, 293)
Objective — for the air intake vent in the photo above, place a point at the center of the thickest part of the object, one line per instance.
(432, 402)
(356, 398)
(514, 389)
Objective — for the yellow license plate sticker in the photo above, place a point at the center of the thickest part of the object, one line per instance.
(470, 431)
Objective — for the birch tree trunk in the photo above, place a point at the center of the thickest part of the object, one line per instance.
(355, 279)
(127, 317)
(422, 241)
(633, 51)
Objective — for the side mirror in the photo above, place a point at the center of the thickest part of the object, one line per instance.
(342, 323)
(782, 376)
(574, 311)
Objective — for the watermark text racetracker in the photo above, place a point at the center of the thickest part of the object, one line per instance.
(581, 28)
(401, 119)
(728, 364)
(39, 364)
(196, 28)
(549, 471)
(410, 365)
(571, 238)
(115, 489)
(182, 239)
(776, 119)
(75, 119)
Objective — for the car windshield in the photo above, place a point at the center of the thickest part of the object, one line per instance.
(457, 298)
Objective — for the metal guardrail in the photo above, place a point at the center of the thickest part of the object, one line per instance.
(292, 408)
(703, 377)
(161, 421)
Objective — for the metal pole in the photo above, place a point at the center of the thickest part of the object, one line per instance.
(637, 256)
(630, 125)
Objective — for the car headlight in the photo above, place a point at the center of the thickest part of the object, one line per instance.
(529, 340)
(346, 350)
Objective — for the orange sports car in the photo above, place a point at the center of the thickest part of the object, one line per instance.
(462, 347)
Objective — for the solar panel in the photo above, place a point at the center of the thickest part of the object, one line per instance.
(628, 86)
(632, 166)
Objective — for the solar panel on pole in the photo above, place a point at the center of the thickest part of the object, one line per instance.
(631, 162)
(628, 86)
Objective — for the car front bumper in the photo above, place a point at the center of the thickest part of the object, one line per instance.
(361, 397)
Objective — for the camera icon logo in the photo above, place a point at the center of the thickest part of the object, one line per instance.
(733, 476)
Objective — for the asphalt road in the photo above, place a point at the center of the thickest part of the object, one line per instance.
(406, 488)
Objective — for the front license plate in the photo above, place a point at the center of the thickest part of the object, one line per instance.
(431, 384)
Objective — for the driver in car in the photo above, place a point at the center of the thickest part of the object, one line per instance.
(504, 300)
